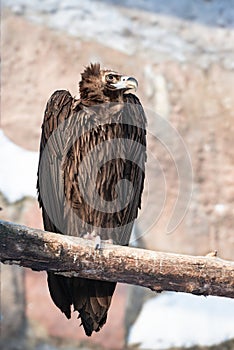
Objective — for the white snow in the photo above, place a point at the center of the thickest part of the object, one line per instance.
(179, 319)
(18, 170)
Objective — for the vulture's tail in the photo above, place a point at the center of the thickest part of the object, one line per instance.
(90, 298)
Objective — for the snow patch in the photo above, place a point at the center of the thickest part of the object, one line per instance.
(179, 319)
(18, 170)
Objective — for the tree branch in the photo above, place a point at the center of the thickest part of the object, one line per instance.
(73, 256)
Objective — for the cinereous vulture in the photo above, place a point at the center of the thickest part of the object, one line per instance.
(91, 176)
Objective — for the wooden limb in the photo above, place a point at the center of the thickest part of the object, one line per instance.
(72, 256)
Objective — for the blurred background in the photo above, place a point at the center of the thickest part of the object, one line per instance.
(182, 54)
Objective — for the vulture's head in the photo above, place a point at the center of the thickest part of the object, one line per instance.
(102, 85)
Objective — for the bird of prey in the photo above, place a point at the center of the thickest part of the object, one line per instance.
(91, 176)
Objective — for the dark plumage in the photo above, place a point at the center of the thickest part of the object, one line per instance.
(100, 137)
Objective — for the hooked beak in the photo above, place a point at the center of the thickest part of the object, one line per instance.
(126, 83)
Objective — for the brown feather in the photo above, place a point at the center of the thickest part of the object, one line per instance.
(60, 194)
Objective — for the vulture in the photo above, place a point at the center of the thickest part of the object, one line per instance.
(90, 178)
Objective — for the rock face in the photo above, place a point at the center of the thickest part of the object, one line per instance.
(182, 56)
(13, 320)
(13, 297)
(200, 109)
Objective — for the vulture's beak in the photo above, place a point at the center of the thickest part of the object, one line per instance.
(126, 83)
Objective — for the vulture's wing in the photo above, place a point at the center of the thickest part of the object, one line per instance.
(49, 182)
(137, 153)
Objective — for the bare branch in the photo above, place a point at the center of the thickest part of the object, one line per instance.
(72, 256)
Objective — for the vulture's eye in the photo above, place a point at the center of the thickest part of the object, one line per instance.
(110, 77)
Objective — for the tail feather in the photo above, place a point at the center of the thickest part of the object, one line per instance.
(59, 288)
(90, 298)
